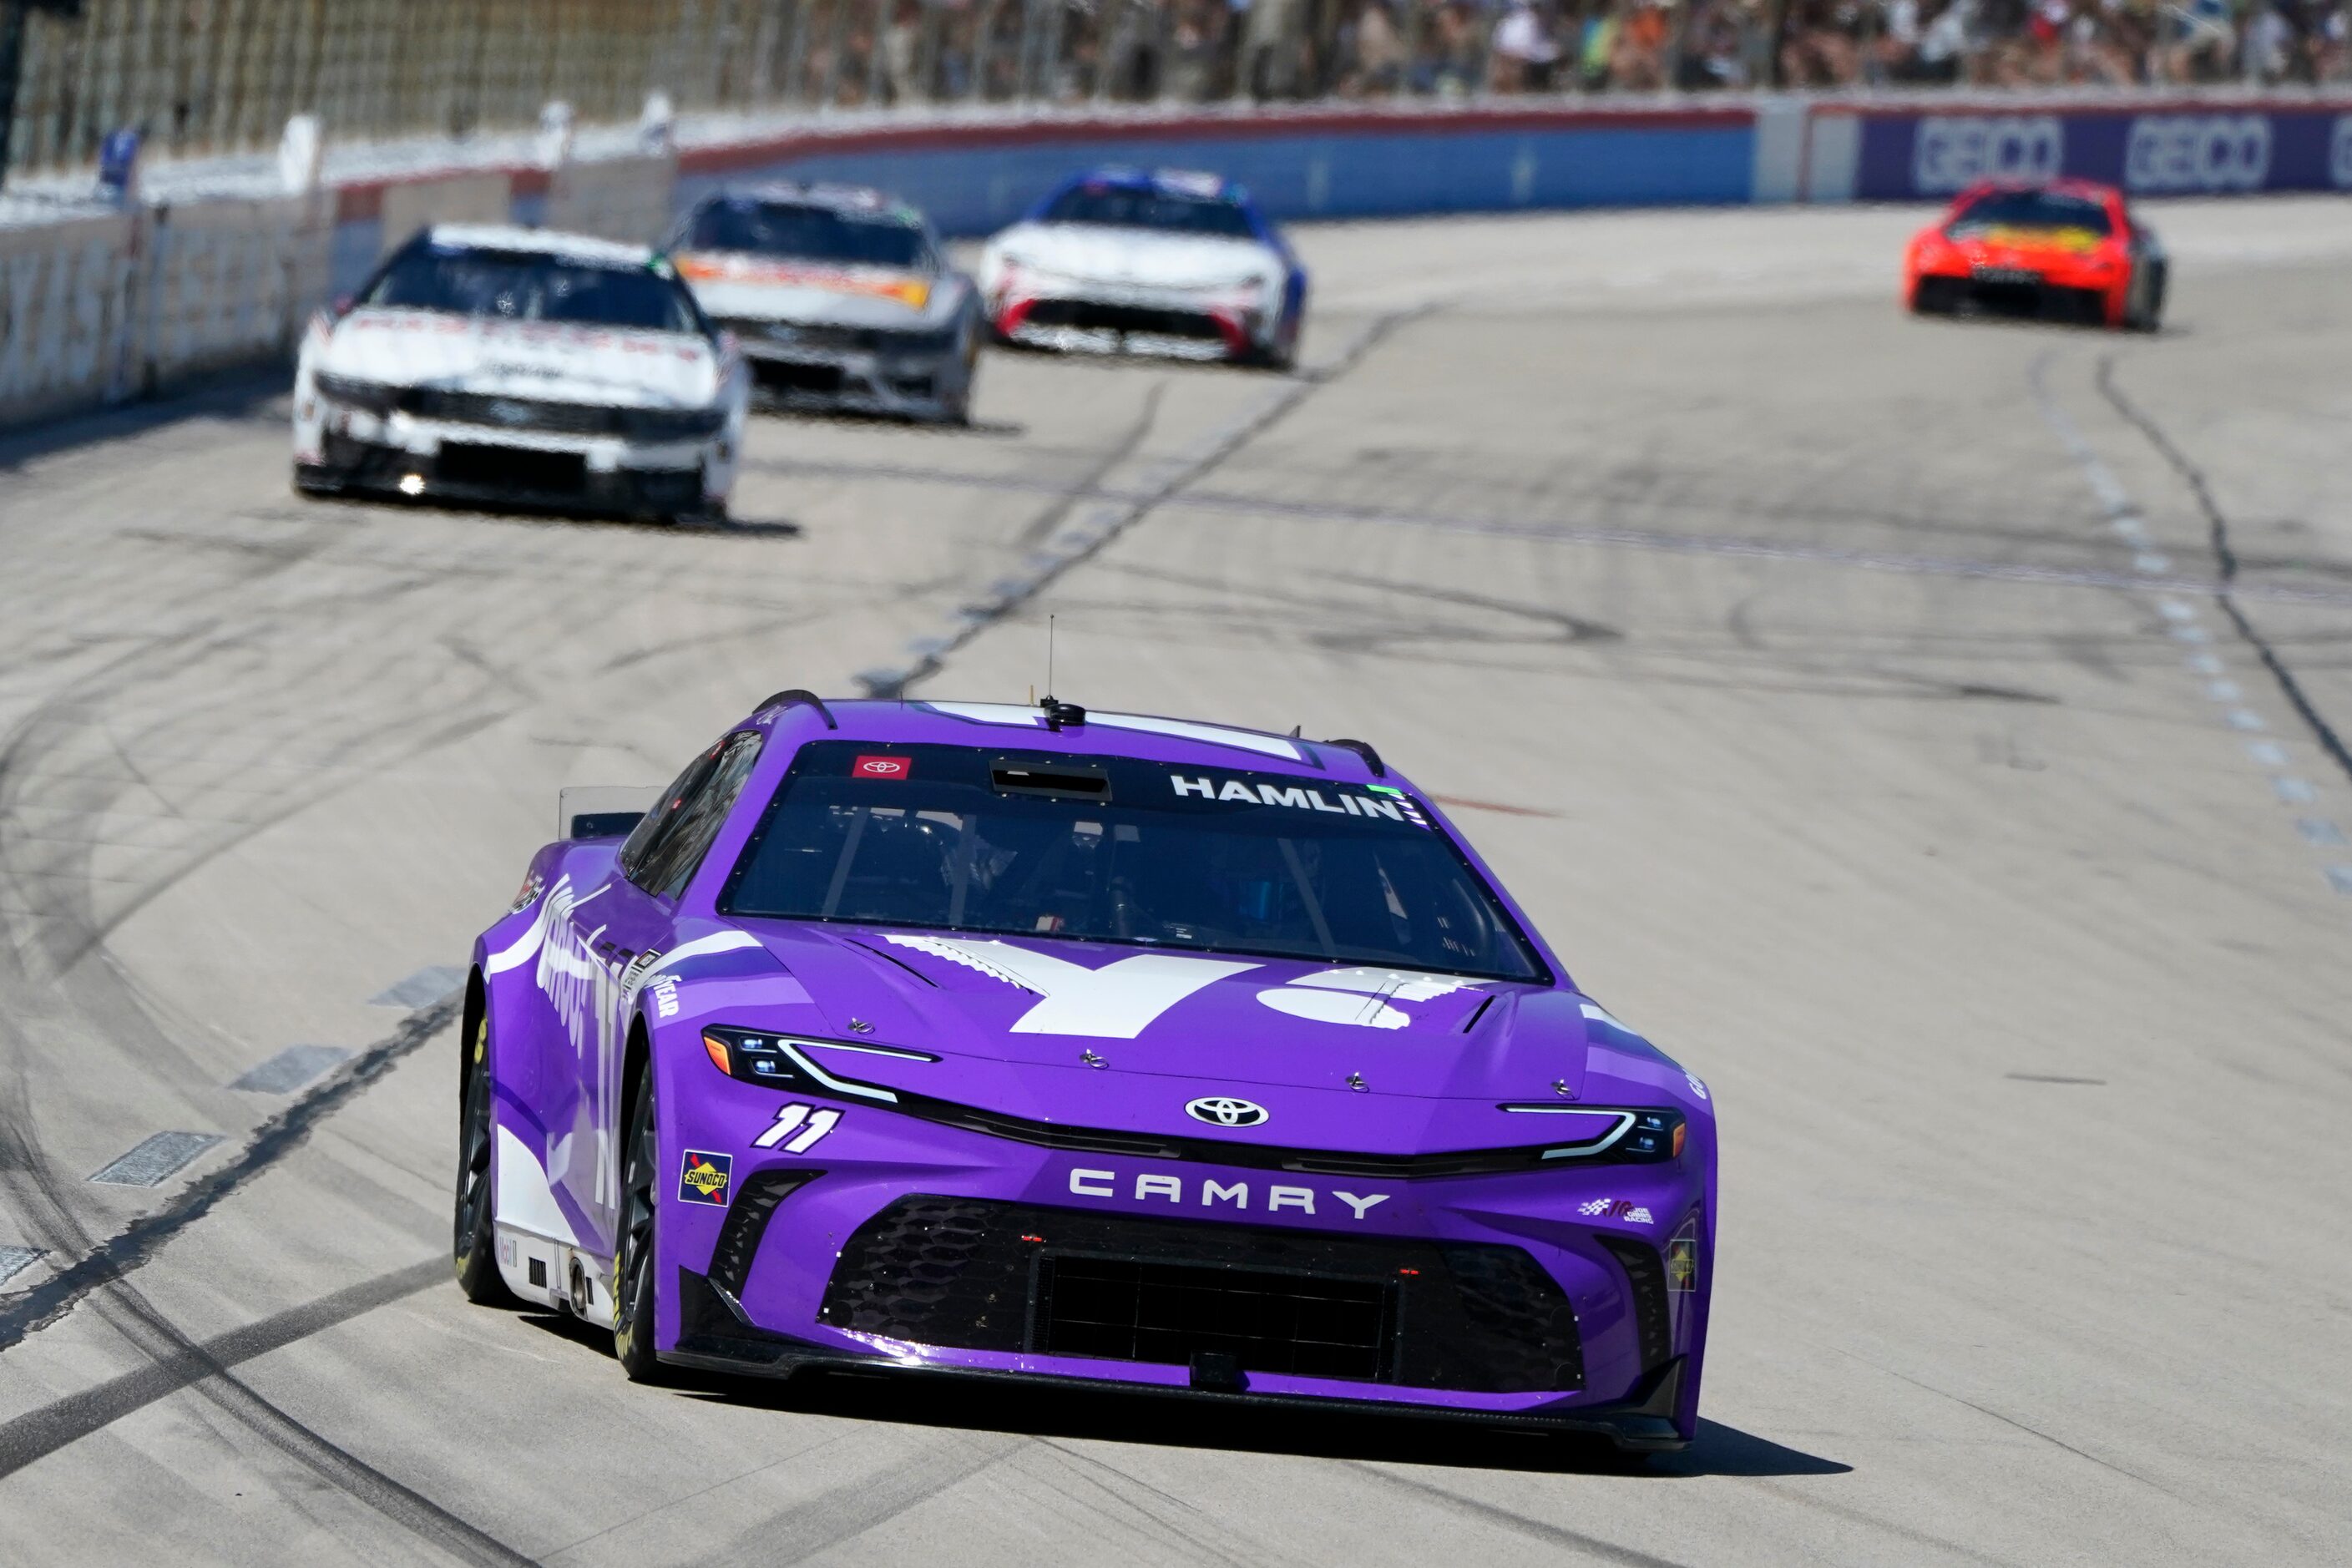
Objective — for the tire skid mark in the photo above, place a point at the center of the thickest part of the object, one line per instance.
(851, 1510)
(111, 1260)
(1087, 537)
(1871, 1521)
(1655, 541)
(1518, 1523)
(130, 1313)
(1042, 527)
(2225, 565)
(1160, 1513)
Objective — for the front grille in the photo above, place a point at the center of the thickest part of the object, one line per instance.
(785, 376)
(552, 418)
(975, 1274)
(1094, 315)
(828, 338)
(514, 413)
(517, 469)
(1307, 1325)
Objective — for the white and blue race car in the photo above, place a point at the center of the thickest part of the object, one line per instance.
(1169, 263)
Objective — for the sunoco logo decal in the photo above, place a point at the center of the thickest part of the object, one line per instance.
(705, 1178)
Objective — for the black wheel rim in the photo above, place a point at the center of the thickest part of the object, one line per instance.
(474, 1150)
(633, 1262)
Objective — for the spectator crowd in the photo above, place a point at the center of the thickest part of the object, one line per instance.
(1211, 50)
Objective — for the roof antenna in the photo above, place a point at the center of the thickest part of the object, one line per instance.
(1057, 712)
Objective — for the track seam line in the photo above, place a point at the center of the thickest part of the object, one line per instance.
(132, 1247)
(1621, 538)
(2225, 563)
(1045, 565)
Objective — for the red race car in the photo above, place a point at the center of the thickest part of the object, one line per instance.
(2067, 250)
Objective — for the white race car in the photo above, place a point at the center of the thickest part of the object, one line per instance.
(840, 297)
(513, 365)
(1167, 263)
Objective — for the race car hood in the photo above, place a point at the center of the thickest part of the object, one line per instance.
(738, 287)
(1093, 1034)
(523, 359)
(1136, 257)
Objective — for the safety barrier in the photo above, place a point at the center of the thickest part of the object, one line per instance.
(96, 308)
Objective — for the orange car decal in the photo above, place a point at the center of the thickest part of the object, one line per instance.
(911, 289)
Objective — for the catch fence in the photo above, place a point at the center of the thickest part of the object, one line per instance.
(204, 77)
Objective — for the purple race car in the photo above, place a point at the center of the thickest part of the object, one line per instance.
(1030, 1043)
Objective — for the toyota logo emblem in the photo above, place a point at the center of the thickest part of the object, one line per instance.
(508, 413)
(1220, 1110)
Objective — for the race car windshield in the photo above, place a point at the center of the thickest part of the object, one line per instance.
(1120, 850)
(1116, 206)
(524, 286)
(2030, 210)
(808, 234)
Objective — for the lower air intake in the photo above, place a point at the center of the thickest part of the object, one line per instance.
(1172, 1313)
(974, 1274)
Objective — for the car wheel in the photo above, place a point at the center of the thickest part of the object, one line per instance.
(2149, 315)
(316, 479)
(957, 410)
(473, 1241)
(633, 1257)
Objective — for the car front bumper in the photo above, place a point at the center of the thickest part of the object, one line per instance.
(857, 370)
(898, 1242)
(2052, 294)
(492, 464)
(1076, 317)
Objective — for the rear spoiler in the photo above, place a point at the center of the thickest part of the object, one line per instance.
(602, 810)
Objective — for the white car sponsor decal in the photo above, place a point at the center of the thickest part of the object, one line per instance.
(1147, 1187)
(1297, 797)
(1361, 996)
(1116, 1002)
(1615, 1208)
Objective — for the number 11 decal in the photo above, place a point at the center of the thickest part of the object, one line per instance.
(806, 1129)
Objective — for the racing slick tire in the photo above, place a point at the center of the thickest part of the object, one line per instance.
(957, 410)
(317, 479)
(634, 1250)
(2144, 307)
(474, 1248)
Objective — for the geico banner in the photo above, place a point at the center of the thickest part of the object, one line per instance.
(1904, 156)
(2197, 153)
(1951, 153)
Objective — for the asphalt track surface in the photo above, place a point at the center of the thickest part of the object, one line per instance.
(1930, 732)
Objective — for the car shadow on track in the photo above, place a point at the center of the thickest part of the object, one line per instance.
(1113, 1416)
(817, 411)
(525, 512)
(1361, 1436)
(234, 397)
